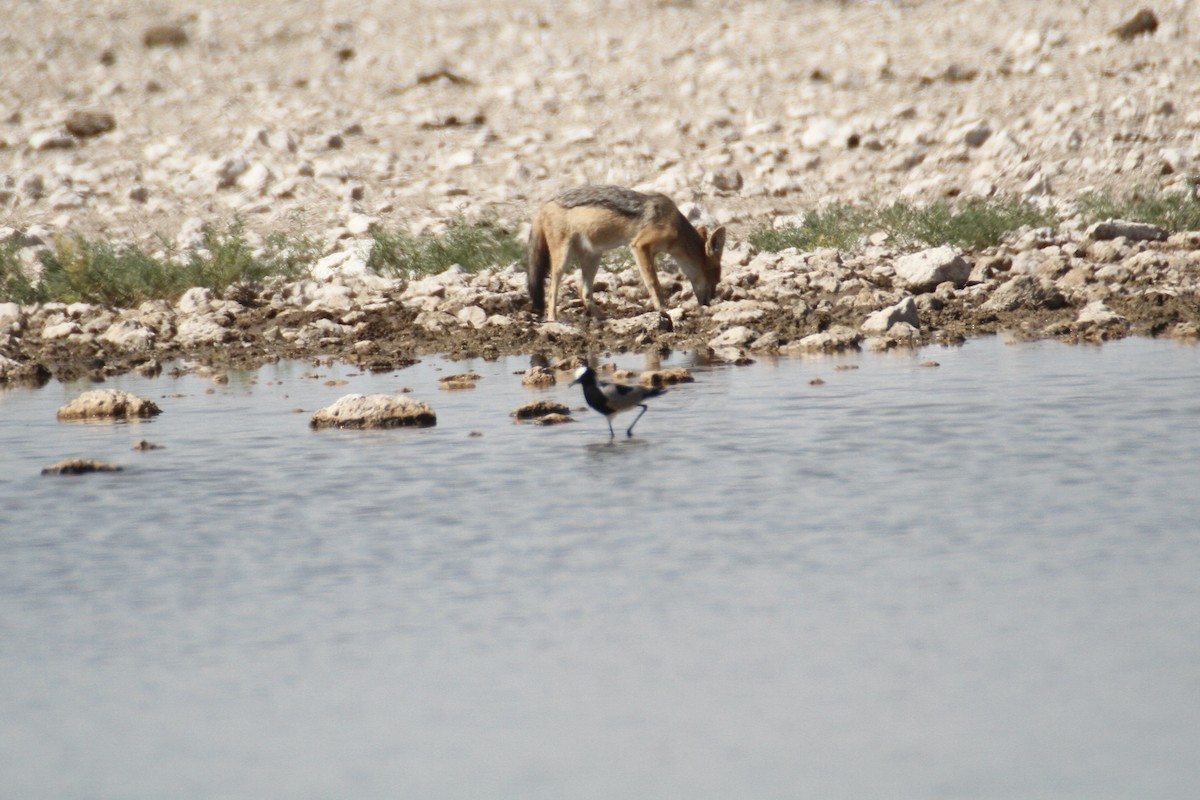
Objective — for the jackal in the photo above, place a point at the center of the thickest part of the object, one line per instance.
(585, 222)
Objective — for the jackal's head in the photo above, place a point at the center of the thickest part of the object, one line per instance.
(705, 284)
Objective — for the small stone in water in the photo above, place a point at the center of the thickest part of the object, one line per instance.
(79, 466)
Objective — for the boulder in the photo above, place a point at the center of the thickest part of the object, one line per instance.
(651, 322)
(1024, 291)
(1097, 313)
(201, 330)
(463, 380)
(1132, 231)
(737, 336)
(22, 372)
(375, 411)
(883, 319)
(654, 378)
(108, 404)
(923, 271)
(540, 408)
(839, 337)
(128, 334)
(539, 376)
(12, 319)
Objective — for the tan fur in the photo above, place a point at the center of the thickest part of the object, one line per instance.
(596, 219)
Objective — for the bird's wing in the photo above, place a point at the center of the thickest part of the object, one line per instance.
(620, 396)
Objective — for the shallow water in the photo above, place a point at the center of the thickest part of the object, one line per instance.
(974, 580)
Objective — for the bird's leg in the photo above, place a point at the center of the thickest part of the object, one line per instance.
(643, 408)
(611, 435)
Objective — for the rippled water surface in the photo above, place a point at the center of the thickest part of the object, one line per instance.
(975, 580)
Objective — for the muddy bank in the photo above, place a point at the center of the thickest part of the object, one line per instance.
(1104, 283)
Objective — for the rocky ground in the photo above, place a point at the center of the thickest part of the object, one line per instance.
(1106, 282)
(144, 123)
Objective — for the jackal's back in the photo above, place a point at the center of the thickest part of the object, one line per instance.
(617, 199)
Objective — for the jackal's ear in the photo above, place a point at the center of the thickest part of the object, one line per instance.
(703, 231)
(716, 243)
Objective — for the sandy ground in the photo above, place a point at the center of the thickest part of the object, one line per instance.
(299, 116)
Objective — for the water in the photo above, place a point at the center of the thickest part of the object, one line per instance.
(975, 580)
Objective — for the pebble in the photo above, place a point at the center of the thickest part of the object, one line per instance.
(86, 124)
(164, 36)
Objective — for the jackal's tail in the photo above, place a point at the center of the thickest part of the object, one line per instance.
(539, 268)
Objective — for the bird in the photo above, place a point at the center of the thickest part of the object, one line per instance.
(611, 399)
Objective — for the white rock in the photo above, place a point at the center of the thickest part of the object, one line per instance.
(1097, 313)
(228, 171)
(329, 266)
(255, 179)
(737, 336)
(60, 330)
(740, 312)
(460, 160)
(12, 319)
(196, 300)
(435, 321)
(820, 132)
(200, 330)
(474, 316)
(1024, 291)
(556, 329)
(360, 224)
(839, 337)
(128, 334)
(882, 320)
(1175, 160)
(331, 297)
(923, 271)
(192, 233)
(650, 322)
(375, 411)
(107, 403)
(52, 140)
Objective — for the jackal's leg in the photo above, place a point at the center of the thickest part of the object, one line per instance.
(644, 256)
(559, 258)
(589, 263)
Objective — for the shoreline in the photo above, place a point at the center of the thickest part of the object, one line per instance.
(1112, 280)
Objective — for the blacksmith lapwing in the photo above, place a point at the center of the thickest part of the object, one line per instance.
(611, 399)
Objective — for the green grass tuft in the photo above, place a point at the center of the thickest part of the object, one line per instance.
(15, 286)
(1172, 212)
(972, 224)
(76, 269)
(472, 246)
(839, 225)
